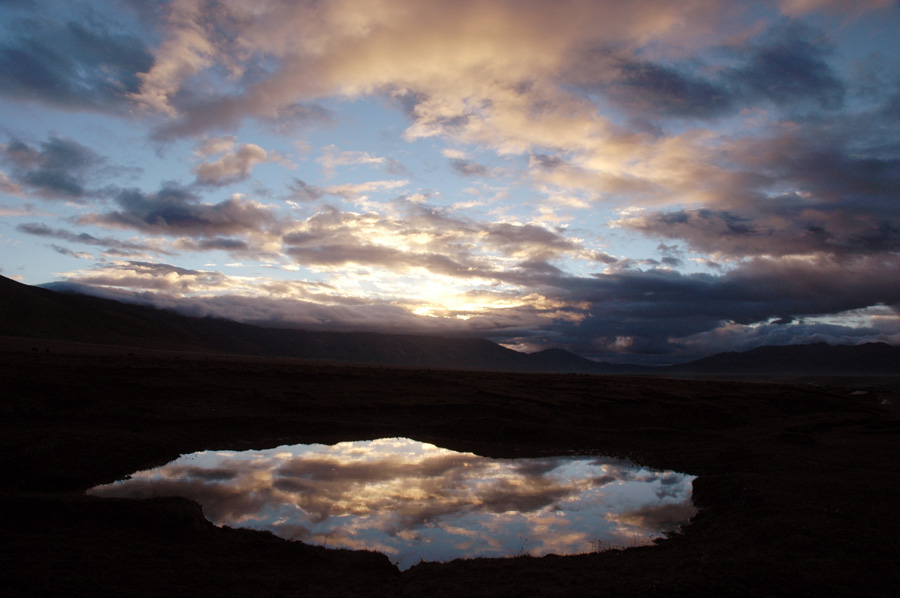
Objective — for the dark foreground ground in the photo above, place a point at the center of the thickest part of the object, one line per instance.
(797, 490)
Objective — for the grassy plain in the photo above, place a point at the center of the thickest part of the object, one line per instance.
(797, 482)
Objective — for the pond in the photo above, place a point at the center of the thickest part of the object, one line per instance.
(415, 501)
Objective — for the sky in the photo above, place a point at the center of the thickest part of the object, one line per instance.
(643, 182)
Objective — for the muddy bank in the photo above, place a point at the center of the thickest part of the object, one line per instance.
(795, 489)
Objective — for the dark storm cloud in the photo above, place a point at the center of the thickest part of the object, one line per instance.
(56, 169)
(42, 230)
(668, 91)
(672, 256)
(672, 262)
(220, 501)
(149, 12)
(667, 517)
(788, 65)
(783, 332)
(74, 65)
(176, 211)
(645, 312)
(850, 172)
(526, 238)
(66, 251)
(890, 111)
(533, 269)
(630, 316)
(235, 247)
(223, 244)
(545, 162)
(781, 227)
(838, 195)
(627, 311)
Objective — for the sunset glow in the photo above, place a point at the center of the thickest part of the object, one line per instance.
(632, 181)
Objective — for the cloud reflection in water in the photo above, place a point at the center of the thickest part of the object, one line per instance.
(415, 501)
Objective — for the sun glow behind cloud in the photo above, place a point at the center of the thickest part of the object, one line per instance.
(558, 173)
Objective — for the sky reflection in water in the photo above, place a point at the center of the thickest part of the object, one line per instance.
(415, 501)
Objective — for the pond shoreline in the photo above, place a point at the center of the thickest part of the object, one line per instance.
(417, 502)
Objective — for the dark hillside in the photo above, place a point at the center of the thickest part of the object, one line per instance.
(815, 359)
(33, 312)
(44, 314)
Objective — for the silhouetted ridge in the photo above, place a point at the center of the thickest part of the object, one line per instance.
(41, 313)
(818, 358)
(34, 312)
(560, 360)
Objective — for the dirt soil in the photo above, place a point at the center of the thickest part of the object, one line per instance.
(797, 486)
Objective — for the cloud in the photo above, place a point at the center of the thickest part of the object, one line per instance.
(789, 66)
(425, 51)
(420, 237)
(786, 65)
(391, 303)
(187, 49)
(880, 324)
(787, 226)
(304, 192)
(76, 65)
(231, 245)
(151, 276)
(351, 190)
(815, 189)
(802, 7)
(636, 312)
(66, 251)
(16, 211)
(509, 79)
(627, 316)
(414, 500)
(332, 157)
(212, 146)
(174, 210)
(110, 243)
(655, 89)
(469, 168)
(755, 152)
(235, 164)
(57, 169)
(667, 517)
(8, 186)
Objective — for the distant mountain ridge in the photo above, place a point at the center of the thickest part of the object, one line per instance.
(34, 312)
(813, 359)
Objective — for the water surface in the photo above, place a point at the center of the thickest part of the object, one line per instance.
(415, 501)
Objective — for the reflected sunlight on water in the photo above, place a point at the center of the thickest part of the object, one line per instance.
(415, 501)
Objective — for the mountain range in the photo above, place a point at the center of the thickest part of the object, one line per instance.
(39, 313)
